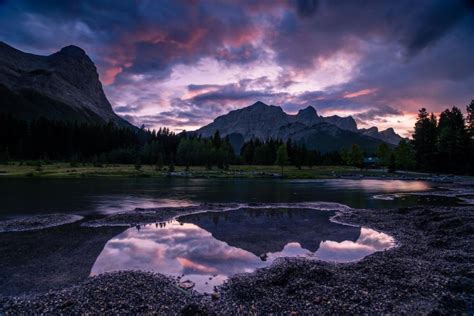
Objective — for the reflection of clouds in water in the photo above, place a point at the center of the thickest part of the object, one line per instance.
(377, 240)
(368, 242)
(186, 249)
(292, 249)
(174, 250)
(384, 185)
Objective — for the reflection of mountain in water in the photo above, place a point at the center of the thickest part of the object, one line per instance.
(261, 231)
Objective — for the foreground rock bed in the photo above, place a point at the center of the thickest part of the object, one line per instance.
(113, 293)
(37, 222)
(431, 271)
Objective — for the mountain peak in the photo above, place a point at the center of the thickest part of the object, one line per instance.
(347, 123)
(68, 76)
(258, 104)
(309, 110)
(73, 51)
(389, 130)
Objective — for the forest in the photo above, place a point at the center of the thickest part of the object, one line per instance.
(443, 144)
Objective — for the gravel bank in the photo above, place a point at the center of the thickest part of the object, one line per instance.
(37, 222)
(431, 271)
(53, 258)
(116, 293)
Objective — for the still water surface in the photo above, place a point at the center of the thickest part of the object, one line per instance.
(204, 248)
(105, 196)
(208, 248)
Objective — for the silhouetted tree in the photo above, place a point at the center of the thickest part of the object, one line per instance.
(392, 163)
(470, 118)
(282, 157)
(425, 140)
(453, 141)
(405, 156)
(356, 156)
(383, 154)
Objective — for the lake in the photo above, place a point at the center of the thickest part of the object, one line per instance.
(106, 196)
(204, 249)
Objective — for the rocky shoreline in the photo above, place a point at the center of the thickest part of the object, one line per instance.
(37, 222)
(432, 271)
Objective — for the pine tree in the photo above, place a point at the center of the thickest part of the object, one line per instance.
(383, 154)
(356, 156)
(216, 139)
(392, 163)
(453, 142)
(281, 157)
(470, 118)
(425, 140)
(404, 156)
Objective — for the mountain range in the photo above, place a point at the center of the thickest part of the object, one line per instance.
(61, 86)
(316, 132)
(66, 86)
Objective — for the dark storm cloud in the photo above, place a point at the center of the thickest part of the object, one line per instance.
(348, 25)
(377, 113)
(409, 52)
(432, 24)
(307, 7)
(138, 37)
(220, 98)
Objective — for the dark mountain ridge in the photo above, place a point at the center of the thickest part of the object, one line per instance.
(61, 86)
(306, 127)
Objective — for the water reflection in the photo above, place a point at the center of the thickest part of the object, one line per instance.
(105, 196)
(208, 248)
(382, 185)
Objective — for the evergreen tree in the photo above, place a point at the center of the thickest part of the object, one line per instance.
(425, 140)
(405, 156)
(216, 139)
(392, 163)
(247, 152)
(383, 154)
(281, 157)
(356, 156)
(453, 143)
(470, 118)
(470, 130)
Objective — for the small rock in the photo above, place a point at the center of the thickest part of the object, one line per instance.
(187, 284)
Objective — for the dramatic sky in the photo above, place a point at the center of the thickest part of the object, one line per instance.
(181, 63)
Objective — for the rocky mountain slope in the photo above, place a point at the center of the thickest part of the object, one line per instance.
(388, 135)
(63, 86)
(316, 132)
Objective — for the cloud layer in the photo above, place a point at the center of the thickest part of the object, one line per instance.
(180, 63)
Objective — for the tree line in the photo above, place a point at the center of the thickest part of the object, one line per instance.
(257, 152)
(444, 144)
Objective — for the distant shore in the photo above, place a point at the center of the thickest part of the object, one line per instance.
(65, 170)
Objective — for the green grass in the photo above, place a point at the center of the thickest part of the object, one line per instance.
(64, 170)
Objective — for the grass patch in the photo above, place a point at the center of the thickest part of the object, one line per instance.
(65, 170)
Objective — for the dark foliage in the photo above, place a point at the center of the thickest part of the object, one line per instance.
(445, 145)
(256, 152)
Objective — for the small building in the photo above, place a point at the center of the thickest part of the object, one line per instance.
(371, 162)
